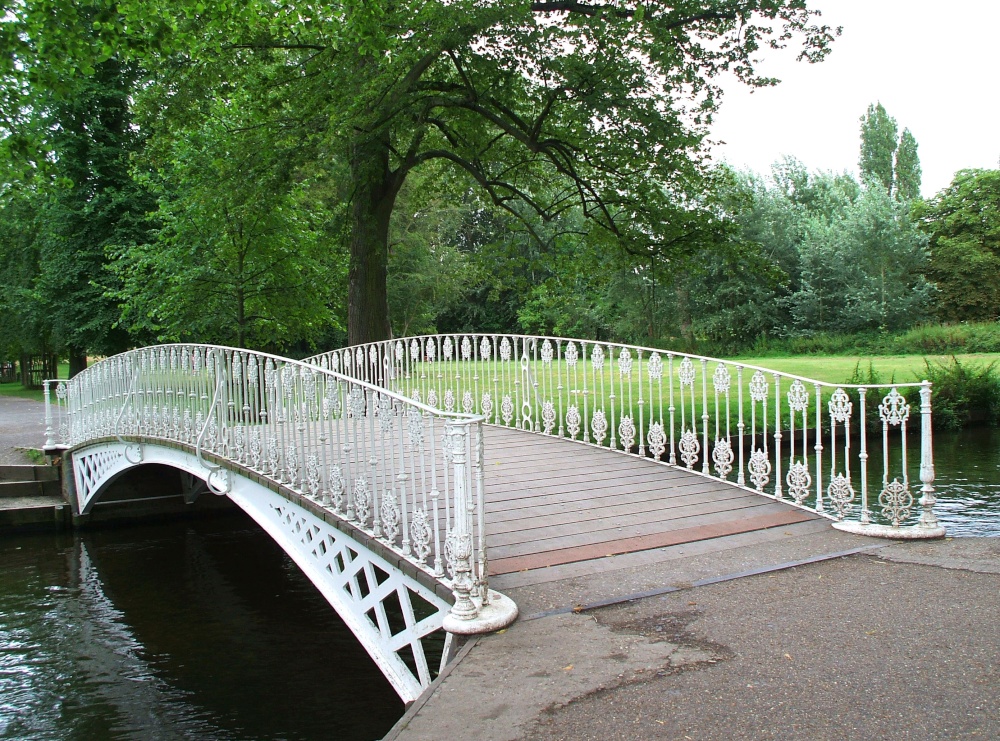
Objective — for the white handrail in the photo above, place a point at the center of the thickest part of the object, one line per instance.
(401, 471)
(725, 419)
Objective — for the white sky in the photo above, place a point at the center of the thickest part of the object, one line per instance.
(934, 65)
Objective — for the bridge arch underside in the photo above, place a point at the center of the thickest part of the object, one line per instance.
(395, 616)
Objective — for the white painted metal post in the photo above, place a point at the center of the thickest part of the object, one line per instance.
(927, 500)
(458, 546)
(49, 432)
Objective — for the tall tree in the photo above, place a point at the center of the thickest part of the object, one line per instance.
(886, 159)
(93, 204)
(907, 171)
(878, 146)
(863, 271)
(540, 103)
(26, 328)
(75, 175)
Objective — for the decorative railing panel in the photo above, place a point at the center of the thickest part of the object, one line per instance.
(837, 449)
(401, 471)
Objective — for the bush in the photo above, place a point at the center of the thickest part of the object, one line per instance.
(963, 395)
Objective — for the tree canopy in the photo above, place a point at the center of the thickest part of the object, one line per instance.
(963, 224)
(542, 105)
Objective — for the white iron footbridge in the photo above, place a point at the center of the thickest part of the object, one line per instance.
(399, 475)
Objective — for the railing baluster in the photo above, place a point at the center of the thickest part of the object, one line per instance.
(818, 447)
(704, 415)
(777, 436)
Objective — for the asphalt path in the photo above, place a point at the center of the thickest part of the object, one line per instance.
(22, 425)
(900, 642)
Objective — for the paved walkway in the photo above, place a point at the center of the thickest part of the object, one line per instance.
(22, 425)
(726, 640)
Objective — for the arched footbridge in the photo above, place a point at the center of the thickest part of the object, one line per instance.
(399, 475)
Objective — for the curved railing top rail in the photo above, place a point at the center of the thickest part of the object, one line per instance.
(306, 364)
(314, 359)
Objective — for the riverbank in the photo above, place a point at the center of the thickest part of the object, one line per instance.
(799, 635)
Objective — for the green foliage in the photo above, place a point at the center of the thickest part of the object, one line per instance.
(810, 253)
(878, 146)
(963, 394)
(67, 211)
(25, 327)
(963, 225)
(429, 271)
(863, 271)
(537, 104)
(907, 169)
(926, 339)
(236, 258)
(886, 160)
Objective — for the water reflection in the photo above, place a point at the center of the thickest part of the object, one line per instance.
(967, 467)
(197, 630)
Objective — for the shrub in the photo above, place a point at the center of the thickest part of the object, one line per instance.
(963, 394)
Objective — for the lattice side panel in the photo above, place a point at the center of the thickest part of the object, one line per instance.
(396, 611)
(93, 467)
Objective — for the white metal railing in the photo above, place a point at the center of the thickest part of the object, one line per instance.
(791, 438)
(403, 472)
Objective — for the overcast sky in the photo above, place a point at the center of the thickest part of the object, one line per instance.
(935, 67)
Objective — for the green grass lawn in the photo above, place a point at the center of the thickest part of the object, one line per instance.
(16, 389)
(838, 369)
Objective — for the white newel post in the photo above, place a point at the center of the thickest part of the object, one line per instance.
(50, 441)
(927, 500)
(474, 611)
(458, 546)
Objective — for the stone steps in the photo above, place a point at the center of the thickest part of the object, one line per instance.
(31, 497)
(28, 473)
(29, 481)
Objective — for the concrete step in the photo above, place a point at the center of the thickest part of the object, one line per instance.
(13, 489)
(29, 473)
(33, 512)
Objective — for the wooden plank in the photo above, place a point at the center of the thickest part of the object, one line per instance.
(642, 558)
(588, 537)
(654, 540)
(604, 509)
(529, 496)
(555, 476)
(584, 527)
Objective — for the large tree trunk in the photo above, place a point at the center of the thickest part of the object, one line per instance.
(77, 361)
(374, 194)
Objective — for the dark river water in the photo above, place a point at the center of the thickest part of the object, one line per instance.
(195, 630)
(967, 481)
(206, 630)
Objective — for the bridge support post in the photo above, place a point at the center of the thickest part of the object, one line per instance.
(471, 613)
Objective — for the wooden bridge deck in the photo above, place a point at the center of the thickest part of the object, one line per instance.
(551, 501)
